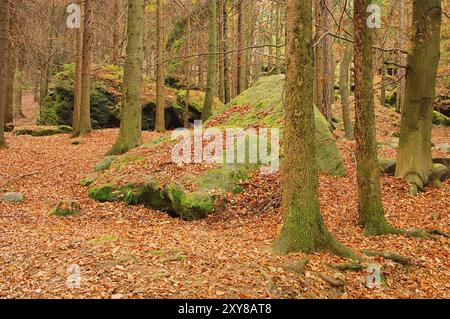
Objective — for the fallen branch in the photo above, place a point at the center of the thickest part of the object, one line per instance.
(438, 232)
(348, 266)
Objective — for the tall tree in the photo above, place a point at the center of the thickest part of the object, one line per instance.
(212, 61)
(130, 135)
(240, 71)
(160, 99)
(5, 7)
(371, 211)
(85, 108)
(226, 56)
(78, 74)
(323, 57)
(303, 229)
(344, 88)
(414, 162)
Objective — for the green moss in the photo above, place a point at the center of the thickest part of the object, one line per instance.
(189, 206)
(440, 119)
(104, 193)
(63, 212)
(105, 163)
(43, 131)
(103, 239)
(265, 101)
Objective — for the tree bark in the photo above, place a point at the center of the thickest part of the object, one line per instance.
(212, 60)
(130, 135)
(303, 228)
(226, 57)
(5, 7)
(323, 67)
(85, 109)
(78, 75)
(160, 100)
(371, 211)
(414, 161)
(344, 87)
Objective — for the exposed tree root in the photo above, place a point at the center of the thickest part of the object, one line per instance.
(384, 228)
(438, 232)
(403, 260)
(351, 266)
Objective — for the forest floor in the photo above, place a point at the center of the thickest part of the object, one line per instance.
(134, 252)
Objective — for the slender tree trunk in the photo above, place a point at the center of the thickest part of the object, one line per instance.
(5, 6)
(403, 39)
(323, 58)
(78, 75)
(344, 87)
(371, 212)
(9, 116)
(212, 48)
(18, 88)
(188, 77)
(130, 135)
(278, 11)
(226, 56)
(240, 46)
(303, 229)
(160, 95)
(414, 162)
(85, 109)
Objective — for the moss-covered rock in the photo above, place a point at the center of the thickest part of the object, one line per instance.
(105, 163)
(440, 119)
(12, 198)
(57, 106)
(263, 107)
(387, 166)
(174, 198)
(43, 130)
(65, 208)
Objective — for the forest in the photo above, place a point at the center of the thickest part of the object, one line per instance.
(224, 149)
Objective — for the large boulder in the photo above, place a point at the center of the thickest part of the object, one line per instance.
(148, 175)
(57, 107)
(262, 106)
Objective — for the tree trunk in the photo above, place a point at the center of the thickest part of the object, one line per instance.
(414, 162)
(303, 229)
(240, 47)
(212, 47)
(130, 135)
(18, 88)
(403, 39)
(278, 10)
(323, 58)
(4, 39)
(78, 75)
(226, 56)
(85, 109)
(160, 100)
(371, 212)
(344, 88)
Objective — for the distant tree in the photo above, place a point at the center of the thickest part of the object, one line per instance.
(78, 74)
(160, 95)
(5, 7)
(212, 61)
(344, 88)
(87, 56)
(130, 135)
(414, 161)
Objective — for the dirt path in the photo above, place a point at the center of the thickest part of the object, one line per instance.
(134, 252)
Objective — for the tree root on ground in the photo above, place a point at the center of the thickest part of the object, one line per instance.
(351, 266)
(403, 260)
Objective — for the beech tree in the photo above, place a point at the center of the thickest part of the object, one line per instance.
(303, 228)
(212, 60)
(85, 99)
(160, 100)
(4, 39)
(130, 135)
(414, 161)
(78, 74)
